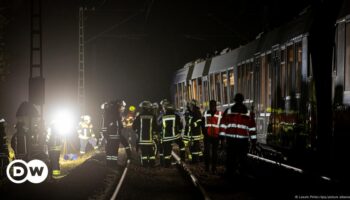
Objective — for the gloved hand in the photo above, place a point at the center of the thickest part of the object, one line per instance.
(222, 144)
(252, 146)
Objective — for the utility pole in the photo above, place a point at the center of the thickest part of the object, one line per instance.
(36, 78)
(81, 65)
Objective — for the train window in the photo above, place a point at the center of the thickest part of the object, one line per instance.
(290, 62)
(232, 85)
(212, 87)
(239, 79)
(290, 69)
(189, 91)
(200, 93)
(176, 95)
(205, 93)
(269, 81)
(218, 87)
(298, 66)
(283, 73)
(250, 83)
(224, 84)
(194, 89)
(244, 80)
(263, 81)
(347, 59)
(179, 86)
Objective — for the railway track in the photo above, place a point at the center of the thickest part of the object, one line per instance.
(159, 183)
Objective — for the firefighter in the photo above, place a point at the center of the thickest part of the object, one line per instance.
(113, 118)
(145, 126)
(237, 128)
(193, 130)
(130, 117)
(171, 132)
(4, 152)
(211, 120)
(20, 142)
(86, 134)
(54, 144)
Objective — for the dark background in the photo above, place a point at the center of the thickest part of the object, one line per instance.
(137, 58)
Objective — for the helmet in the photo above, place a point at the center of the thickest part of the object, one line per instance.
(132, 108)
(169, 106)
(146, 105)
(86, 118)
(239, 98)
(104, 105)
(194, 103)
(155, 105)
(164, 101)
(120, 103)
(2, 123)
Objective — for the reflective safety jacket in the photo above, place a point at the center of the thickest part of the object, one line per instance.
(145, 125)
(114, 129)
(236, 123)
(53, 140)
(171, 127)
(193, 128)
(85, 130)
(212, 123)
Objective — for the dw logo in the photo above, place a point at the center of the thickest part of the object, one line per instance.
(35, 171)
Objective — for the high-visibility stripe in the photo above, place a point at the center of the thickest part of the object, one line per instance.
(145, 143)
(223, 126)
(253, 137)
(166, 118)
(56, 172)
(237, 126)
(167, 157)
(152, 158)
(234, 135)
(252, 129)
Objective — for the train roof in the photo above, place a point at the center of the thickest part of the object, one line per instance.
(281, 35)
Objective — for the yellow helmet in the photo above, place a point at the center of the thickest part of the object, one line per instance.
(132, 108)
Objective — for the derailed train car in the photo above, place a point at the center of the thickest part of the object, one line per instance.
(275, 74)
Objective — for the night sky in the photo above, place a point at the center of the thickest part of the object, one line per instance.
(136, 59)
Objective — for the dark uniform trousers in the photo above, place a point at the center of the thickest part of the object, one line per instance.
(237, 150)
(167, 148)
(54, 157)
(112, 148)
(4, 161)
(147, 155)
(211, 152)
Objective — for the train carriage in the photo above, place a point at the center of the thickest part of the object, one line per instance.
(275, 74)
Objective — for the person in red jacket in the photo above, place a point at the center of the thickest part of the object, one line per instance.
(237, 128)
(211, 119)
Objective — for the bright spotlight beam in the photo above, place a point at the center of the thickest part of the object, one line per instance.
(64, 122)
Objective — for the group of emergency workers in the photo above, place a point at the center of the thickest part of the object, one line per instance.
(157, 129)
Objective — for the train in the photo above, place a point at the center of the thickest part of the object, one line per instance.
(275, 73)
